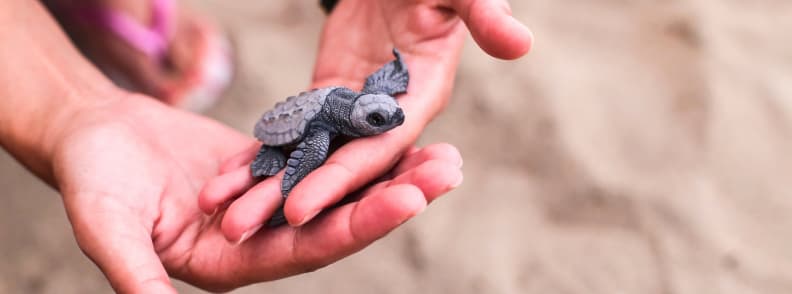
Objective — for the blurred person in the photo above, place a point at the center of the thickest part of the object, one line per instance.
(143, 184)
(150, 47)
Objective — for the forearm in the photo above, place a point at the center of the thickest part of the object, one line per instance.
(44, 84)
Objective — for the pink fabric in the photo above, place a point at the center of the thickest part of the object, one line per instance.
(151, 39)
(162, 15)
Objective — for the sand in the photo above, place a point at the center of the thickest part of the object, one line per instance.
(642, 147)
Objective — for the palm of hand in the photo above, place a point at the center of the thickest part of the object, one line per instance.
(140, 221)
(144, 201)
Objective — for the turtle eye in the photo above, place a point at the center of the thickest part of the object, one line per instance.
(375, 119)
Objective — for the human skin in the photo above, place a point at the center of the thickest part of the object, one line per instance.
(357, 39)
(129, 170)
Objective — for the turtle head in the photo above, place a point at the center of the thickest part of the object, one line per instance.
(374, 114)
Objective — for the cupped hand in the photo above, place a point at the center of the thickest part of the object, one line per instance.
(357, 39)
(130, 172)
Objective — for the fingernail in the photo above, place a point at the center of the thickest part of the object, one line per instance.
(417, 212)
(308, 217)
(459, 181)
(421, 210)
(247, 234)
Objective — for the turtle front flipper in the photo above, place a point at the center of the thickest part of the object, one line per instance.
(269, 161)
(309, 155)
(391, 79)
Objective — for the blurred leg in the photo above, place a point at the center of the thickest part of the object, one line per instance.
(151, 46)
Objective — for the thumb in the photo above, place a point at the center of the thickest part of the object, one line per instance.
(494, 29)
(118, 242)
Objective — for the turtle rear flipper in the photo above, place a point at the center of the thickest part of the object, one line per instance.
(277, 219)
(391, 79)
(269, 161)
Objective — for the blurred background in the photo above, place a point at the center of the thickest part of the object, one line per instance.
(642, 147)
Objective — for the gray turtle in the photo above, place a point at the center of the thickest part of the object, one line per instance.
(305, 124)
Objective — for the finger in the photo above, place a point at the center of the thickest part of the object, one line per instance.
(247, 214)
(434, 178)
(121, 247)
(354, 226)
(493, 27)
(355, 164)
(223, 188)
(435, 170)
(240, 159)
(441, 151)
(329, 184)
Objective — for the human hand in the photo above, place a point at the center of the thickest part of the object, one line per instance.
(357, 39)
(130, 172)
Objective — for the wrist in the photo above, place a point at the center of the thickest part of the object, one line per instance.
(32, 131)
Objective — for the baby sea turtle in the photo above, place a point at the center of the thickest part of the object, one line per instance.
(305, 124)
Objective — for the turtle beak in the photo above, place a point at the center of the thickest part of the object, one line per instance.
(398, 117)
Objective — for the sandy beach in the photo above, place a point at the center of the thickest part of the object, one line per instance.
(641, 147)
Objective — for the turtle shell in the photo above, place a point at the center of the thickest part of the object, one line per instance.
(287, 122)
